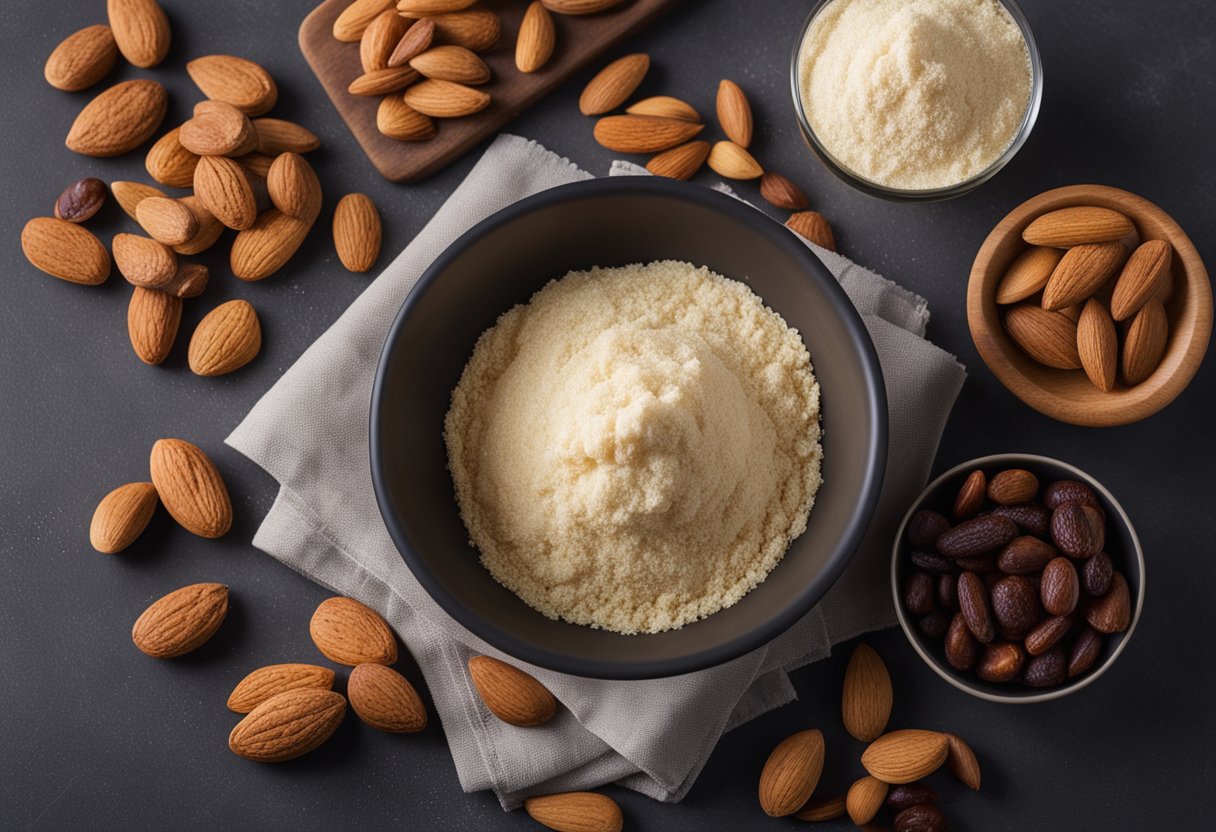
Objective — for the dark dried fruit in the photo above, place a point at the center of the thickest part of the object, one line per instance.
(971, 496)
(1096, 573)
(932, 562)
(1097, 525)
(1001, 662)
(935, 624)
(960, 644)
(910, 794)
(918, 593)
(925, 527)
(1025, 555)
(1047, 632)
(1013, 486)
(923, 818)
(980, 564)
(1084, 653)
(1032, 518)
(973, 604)
(1061, 588)
(1069, 491)
(1046, 670)
(1112, 612)
(947, 592)
(977, 536)
(1015, 605)
(1072, 531)
(81, 200)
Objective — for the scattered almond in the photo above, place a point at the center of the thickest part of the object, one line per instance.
(349, 633)
(576, 812)
(580, 6)
(381, 81)
(265, 247)
(257, 165)
(733, 162)
(791, 773)
(1142, 277)
(511, 695)
(169, 163)
(385, 699)
(780, 192)
(226, 339)
(223, 188)
(270, 681)
(130, 194)
(664, 106)
(119, 119)
(864, 799)
(293, 187)
(355, 18)
(445, 99)
(681, 162)
(153, 317)
(1144, 344)
(451, 63)
(276, 135)
(218, 129)
(182, 621)
(357, 232)
(812, 226)
(1097, 345)
(416, 40)
(189, 282)
(400, 121)
(65, 250)
(1075, 226)
(1050, 338)
(82, 59)
(380, 38)
(961, 761)
(613, 85)
(167, 220)
(905, 756)
(643, 134)
(867, 697)
(121, 517)
(288, 725)
(734, 113)
(209, 228)
(143, 261)
(1081, 271)
(536, 40)
(236, 81)
(191, 487)
(827, 809)
(141, 30)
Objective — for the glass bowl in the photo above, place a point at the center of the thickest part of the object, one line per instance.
(927, 194)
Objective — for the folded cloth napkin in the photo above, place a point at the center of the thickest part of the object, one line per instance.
(310, 431)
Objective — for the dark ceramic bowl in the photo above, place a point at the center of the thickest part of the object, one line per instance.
(503, 261)
(1121, 544)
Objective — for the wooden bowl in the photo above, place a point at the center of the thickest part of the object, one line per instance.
(1068, 395)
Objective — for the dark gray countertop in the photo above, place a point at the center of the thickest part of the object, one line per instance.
(94, 734)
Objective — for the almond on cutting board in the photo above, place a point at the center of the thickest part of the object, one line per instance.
(191, 488)
(82, 59)
(1143, 276)
(293, 187)
(1028, 274)
(380, 38)
(277, 135)
(780, 192)
(121, 516)
(288, 725)
(612, 85)
(141, 30)
(400, 121)
(416, 40)
(474, 28)
(265, 247)
(1081, 272)
(664, 106)
(732, 161)
(681, 162)
(169, 163)
(350, 633)
(357, 232)
(536, 40)
(581, 6)
(385, 699)
(269, 681)
(64, 250)
(218, 129)
(867, 697)
(1078, 225)
(734, 113)
(223, 188)
(576, 812)
(167, 221)
(425, 7)
(791, 773)
(1144, 344)
(143, 261)
(1098, 345)
(355, 18)
(1050, 338)
(240, 82)
(226, 339)
(119, 119)
(181, 621)
(905, 756)
(451, 63)
(381, 81)
(643, 134)
(812, 226)
(445, 99)
(511, 694)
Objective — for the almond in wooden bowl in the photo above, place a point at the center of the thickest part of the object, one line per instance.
(1068, 394)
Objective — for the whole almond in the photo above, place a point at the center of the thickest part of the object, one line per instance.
(380, 38)
(141, 30)
(664, 106)
(400, 121)
(143, 261)
(1112, 612)
(121, 516)
(293, 187)
(182, 621)
(357, 232)
(581, 6)
(1143, 276)
(167, 221)
(191, 487)
(265, 247)
(960, 642)
(734, 162)
(81, 200)
(475, 28)
(1025, 555)
(223, 188)
(419, 8)
(866, 701)
(1013, 486)
(734, 113)
(355, 18)
(153, 318)
(536, 40)
(975, 607)
(189, 282)
(385, 699)
(82, 59)
(977, 536)
(381, 81)
(1028, 274)
(904, 756)
(961, 761)
(681, 162)
(1031, 518)
(1060, 587)
(1047, 633)
(209, 228)
(169, 163)
(257, 165)
(270, 681)
(612, 85)
(864, 799)
(970, 497)
(827, 809)
(65, 250)
(119, 119)
(445, 99)
(1080, 225)
(791, 773)
(350, 633)
(1001, 662)
(416, 40)
(511, 695)
(1145, 343)
(812, 226)
(1081, 271)
(1085, 652)
(1050, 338)
(1097, 573)
(276, 135)
(128, 195)
(237, 81)
(643, 134)
(576, 812)
(451, 63)
(1097, 345)
(288, 725)
(780, 192)
(218, 129)
(226, 339)
(1072, 531)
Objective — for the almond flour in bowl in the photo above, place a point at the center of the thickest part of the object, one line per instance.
(635, 448)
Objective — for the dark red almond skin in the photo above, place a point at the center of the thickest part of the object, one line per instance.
(1061, 588)
(1047, 633)
(977, 536)
(922, 818)
(1032, 518)
(1096, 574)
(1072, 531)
(918, 593)
(1001, 662)
(925, 527)
(1046, 670)
(1015, 606)
(960, 644)
(1025, 555)
(973, 603)
(932, 562)
(1069, 491)
(910, 794)
(1112, 612)
(1085, 651)
(971, 496)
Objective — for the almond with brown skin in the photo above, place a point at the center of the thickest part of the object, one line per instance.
(265, 247)
(1081, 271)
(867, 697)
(961, 761)
(81, 200)
(734, 113)
(1060, 587)
(1073, 532)
(732, 161)
(1096, 574)
(970, 497)
(141, 30)
(1015, 605)
(1084, 653)
(864, 799)
(812, 226)
(119, 119)
(1046, 670)
(153, 317)
(1111, 613)
(511, 695)
(960, 644)
(1000, 662)
(416, 40)
(182, 621)
(613, 85)
(974, 606)
(381, 81)
(223, 188)
(237, 81)
(121, 516)
(1069, 491)
(1050, 338)
(664, 106)
(270, 681)
(228, 338)
(1075, 226)
(169, 163)
(1032, 518)
(385, 699)
(576, 812)
(977, 536)
(357, 232)
(581, 6)
(1146, 271)
(452, 63)
(167, 221)
(905, 756)
(1013, 486)
(218, 129)
(143, 261)
(288, 725)
(191, 488)
(1097, 345)
(1025, 555)
(65, 250)
(355, 18)
(420, 8)
(537, 38)
(128, 195)
(209, 228)
(1047, 633)
(380, 38)
(1028, 274)
(791, 773)
(445, 99)
(780, 192)
(1145, 342)
(643, 134)
(680, 162)
(293, 187)
(350, 633)
(476, 28)
(276, 135)
(189, 282)
(400, 121)
(82, 59)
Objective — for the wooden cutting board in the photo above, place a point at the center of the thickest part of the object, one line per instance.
(580, 41)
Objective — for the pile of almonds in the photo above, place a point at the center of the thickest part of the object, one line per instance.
(1021, 589)
(895, 761)
(1083, 273)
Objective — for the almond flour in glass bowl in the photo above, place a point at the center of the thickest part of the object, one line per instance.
(890, 70)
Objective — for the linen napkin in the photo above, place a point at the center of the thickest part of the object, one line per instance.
(310, 431)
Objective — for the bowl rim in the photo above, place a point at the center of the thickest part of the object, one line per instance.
(744, 642)
(876, 189)
(1129, 405)
(937, 664)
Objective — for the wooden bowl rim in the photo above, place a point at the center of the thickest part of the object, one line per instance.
(1193, 327)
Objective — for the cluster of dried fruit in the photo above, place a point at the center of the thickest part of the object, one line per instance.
(668, 127)
(1083, 273)
(1008, 586)
(895, 761)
